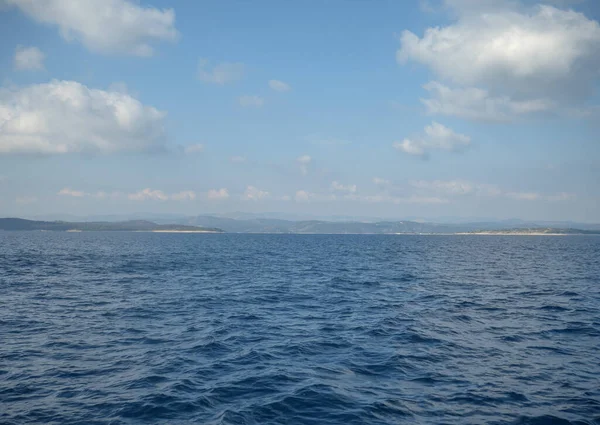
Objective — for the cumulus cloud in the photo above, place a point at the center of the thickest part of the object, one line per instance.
(254, 194)
(251, 101)
(504, 60)
(158, 195)
(67, 117)
(193, 149)
(279, 86)
(218, 194)
(70, 192)
(523, 52)
(148, 194)
(338, 187)
(478, 104)
(436, 137)
(186, 195)
(109, 26)
(142, 195)
(304, 162)
(28, 58)
(303, 196)
(222, 73)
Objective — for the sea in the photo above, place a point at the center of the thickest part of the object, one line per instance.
(147, 328)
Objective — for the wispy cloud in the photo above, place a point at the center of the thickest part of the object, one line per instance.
(464, 187)
(194, 149)
(279, 86)
(304, 162)
(28, 58)
(221, 74)
(70, 192)
(338, 187)
(237, 159)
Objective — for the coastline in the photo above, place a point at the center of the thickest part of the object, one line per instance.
(178, 231)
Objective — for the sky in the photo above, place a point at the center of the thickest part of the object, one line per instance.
(395, 109)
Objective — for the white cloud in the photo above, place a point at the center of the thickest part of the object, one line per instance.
(410, 147)
(562, 196)
(523, 53)
(148, 194)
(28, 58)
(193, 149)
(70, 192)
(463, 187)
(304, 162)
(254, 194)
(65, 117)
(218, 194)
(338, 187)
(119, 26)
(237, 159)
(251, 101)
(221, 73)
(303, 196)
(436, 137)
(477, 104)
(186, 195)
(381, 182)
(142, 195)
(457, 187)
(158, 195)
(279, 86)
(397, 200)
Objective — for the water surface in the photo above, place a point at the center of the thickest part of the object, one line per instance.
(127, 328)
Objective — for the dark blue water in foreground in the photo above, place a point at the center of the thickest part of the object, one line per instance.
(127, 328)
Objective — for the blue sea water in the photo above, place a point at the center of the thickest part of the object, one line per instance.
(128, 328)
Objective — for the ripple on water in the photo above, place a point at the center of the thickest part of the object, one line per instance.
(125, 328)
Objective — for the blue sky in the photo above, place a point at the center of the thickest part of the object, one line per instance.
(393, 109)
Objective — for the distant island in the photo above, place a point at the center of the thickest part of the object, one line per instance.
(541, 231)
(8, 224)
(212, 224)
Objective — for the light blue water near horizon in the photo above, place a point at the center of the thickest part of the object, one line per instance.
(127, 328)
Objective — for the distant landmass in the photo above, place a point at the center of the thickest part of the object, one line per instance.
(271, 225)
(131, 226)
(536, 231)
(206, 223)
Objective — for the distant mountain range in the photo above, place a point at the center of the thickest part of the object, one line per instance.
(272, 225)
(210, 223)
(131, 226)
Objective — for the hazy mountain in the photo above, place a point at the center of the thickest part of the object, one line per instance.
(133, 225)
